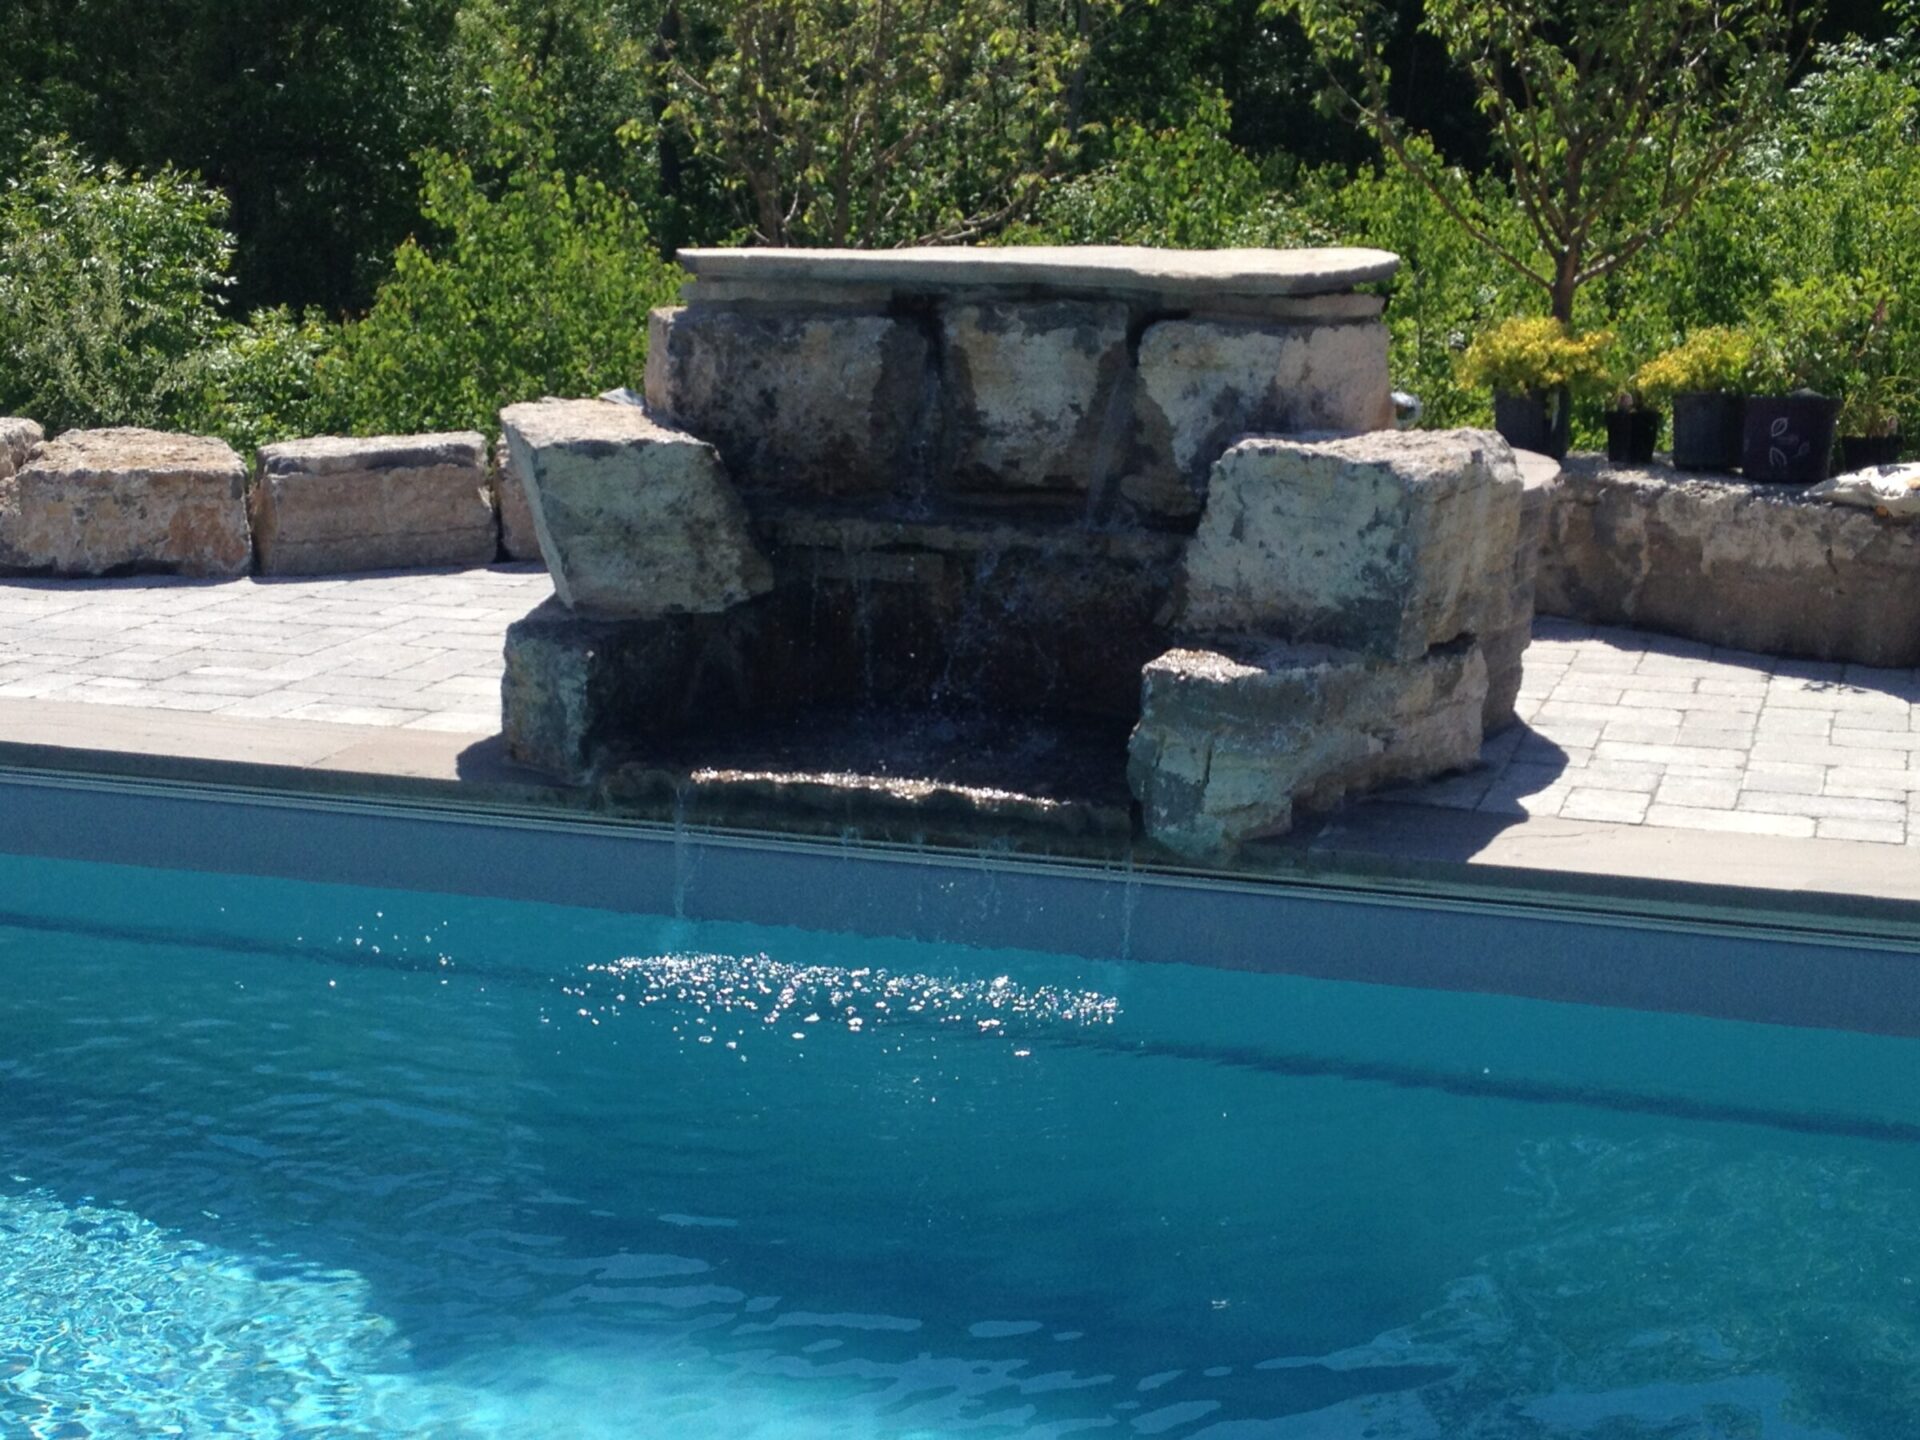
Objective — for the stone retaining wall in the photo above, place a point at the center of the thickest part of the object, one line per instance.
(118, 501)
(1749, 566)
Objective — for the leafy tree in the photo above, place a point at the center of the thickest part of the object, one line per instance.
(881, 122)
(110, 291)
(541, 285)
(1610, 117)
(304, 115)
(1186, 187)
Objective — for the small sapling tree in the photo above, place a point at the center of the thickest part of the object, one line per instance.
(1611, 117)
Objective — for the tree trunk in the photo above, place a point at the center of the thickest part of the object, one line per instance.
(1566, 285)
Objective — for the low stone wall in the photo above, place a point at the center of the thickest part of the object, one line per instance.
(118, 501)
(1752, 567)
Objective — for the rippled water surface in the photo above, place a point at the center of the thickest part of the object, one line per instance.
(284, 1160)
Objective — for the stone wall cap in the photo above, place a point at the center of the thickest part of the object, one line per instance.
(125, 450)
(572, 422)
(1071, 268)
(338, 454)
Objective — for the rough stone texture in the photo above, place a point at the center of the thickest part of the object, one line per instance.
(797, 401)
(1752, 567)
(1233, 740)
(1508, 634)
(17, 439)
(566, 689)
(97, 502)
(519, 539)
(1205, 383)
(1031, 390)
(337, 505)
(635, 520)
(1197, 276)
(1391, 543)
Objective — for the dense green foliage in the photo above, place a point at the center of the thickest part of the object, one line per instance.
(262, 219)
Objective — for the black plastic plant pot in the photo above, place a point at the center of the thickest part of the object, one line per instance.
(1533, 421)
(1631, 436)
(1868, 452)
(1790, 438)
(1708, 430)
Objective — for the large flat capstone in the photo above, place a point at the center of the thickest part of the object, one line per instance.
(96, 502)
(1233, 739)
(338, 505)
(1389, 543)
(1209, 276)
(636, 520)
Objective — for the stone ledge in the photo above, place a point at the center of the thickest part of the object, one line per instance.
(1731, 562)
(1057, 269)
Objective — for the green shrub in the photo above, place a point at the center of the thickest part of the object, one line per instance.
(1530, 355)
(259, 380)
(110, 289)
(1187, 187)
(1716, 358)
(541, 285)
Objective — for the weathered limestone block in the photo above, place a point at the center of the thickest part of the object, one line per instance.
(1391, 543)
(570, 687)
(1233, 740)
(1506, 637)
(97, 502)
(519, 540)
(1754, 567)
(17, 439)
(635, 520)
(1206, 383)
(798, 401)
(1030, 391)
(338, 505)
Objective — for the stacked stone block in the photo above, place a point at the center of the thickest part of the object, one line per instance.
(336, 505)
(1337, 594)
(122, 500)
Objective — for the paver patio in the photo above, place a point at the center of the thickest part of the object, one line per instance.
(1621, 726)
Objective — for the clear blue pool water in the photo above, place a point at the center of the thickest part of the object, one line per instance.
(281, 1159)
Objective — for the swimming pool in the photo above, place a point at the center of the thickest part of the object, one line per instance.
(284, 1157)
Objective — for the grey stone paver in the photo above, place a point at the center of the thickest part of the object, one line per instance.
(1639, 729)
(1618, 726)
(413, 650)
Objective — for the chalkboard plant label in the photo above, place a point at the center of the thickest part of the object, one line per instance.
(1789, 438)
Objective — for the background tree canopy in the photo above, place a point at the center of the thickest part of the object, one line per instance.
(264, 218)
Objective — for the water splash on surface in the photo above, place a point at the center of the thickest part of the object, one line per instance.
(777, 993)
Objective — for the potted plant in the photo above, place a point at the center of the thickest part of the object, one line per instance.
(1704, 379)
(1633, 428)
(1870, 404)
(1534, 366)
(1869, 427)
(1821, 330)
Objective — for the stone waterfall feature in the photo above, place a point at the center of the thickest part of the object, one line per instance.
(926, 540)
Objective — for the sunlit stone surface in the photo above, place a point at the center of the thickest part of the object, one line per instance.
(97, 502)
